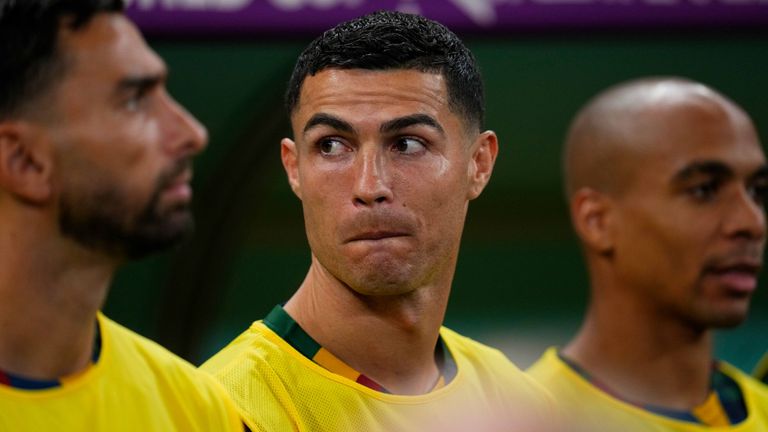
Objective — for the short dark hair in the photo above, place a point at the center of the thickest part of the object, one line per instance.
(30, 61)
(387, 40)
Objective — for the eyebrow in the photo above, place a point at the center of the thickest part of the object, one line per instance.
(715, 169)
(711, 168)
(389, 126)
(324, 119)
(140, 83)
(399, 123)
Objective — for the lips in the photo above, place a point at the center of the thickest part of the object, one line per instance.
(376, 235)
(738, 275)
(178, 187)
(381, 225)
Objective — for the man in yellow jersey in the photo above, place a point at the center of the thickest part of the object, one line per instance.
(94, 170)
(388, 150)
(666, 182)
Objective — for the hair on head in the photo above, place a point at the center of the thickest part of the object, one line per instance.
(30, 61)
(387, 40)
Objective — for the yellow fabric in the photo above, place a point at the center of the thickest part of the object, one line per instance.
(136, 386)
(279, 389)
(587, 408)
(711, 412)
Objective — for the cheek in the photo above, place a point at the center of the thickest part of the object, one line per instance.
(661, 251)
(443, 189)
(324, 201)
(438, 199)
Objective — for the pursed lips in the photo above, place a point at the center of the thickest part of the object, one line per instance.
(376, 235)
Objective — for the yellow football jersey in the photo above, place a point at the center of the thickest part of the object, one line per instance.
(135, 386)
(585, 407)
(279, 389)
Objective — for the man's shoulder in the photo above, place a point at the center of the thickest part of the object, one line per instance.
(469, 352)
(748, 383)
(493, 370)
(549, 367)
(583, 403)
(137, 381)
(755, 393)
(129, 347)
(253, 348)
(259, 367)
(137, 355)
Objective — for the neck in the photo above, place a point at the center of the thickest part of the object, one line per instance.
(51, 291)
(644, 356)
(390, 339)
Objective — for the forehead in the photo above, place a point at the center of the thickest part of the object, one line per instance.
(364, 97)
(673, 137)
(107, 49)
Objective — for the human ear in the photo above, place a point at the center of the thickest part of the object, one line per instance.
(291, 164)
(592, 213)
(485, 150)
(25, 166)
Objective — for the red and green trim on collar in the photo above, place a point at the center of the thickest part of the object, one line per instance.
(290, 331)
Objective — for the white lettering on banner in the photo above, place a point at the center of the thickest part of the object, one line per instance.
(481, 12)
(409, 6)
(191, 5)
(294, 5)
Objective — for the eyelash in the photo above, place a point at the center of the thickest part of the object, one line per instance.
(402, 139)
(704, 191)
(136, 98)
(396, 142)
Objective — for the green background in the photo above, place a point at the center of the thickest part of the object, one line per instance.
(520, 282)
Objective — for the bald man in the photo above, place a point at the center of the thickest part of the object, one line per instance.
(665, 179)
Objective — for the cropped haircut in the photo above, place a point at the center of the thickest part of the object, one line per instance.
(30, 59)
(387, 40)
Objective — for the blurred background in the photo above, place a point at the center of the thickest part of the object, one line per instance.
(520, 282)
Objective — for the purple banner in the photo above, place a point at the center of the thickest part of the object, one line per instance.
(285, 17)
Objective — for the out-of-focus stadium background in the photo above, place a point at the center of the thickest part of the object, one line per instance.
(520, 282)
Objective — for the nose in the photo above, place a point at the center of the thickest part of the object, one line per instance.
(745, 218)
(186, 136)
(372, 182)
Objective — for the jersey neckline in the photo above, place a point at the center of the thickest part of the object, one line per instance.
(284, 326)
(725, 402)
(21, 382)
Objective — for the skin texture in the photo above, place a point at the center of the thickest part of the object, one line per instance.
(673, 229)
(109, 143)
(384, 171)
(152, 141)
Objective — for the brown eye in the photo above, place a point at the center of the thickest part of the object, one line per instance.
(704, 191)
(331, 147)
(407, 145)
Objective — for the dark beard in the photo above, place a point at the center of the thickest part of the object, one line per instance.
(103, 221)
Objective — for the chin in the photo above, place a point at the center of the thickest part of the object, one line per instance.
(724, 318)
(381, 286)
(729, 321)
